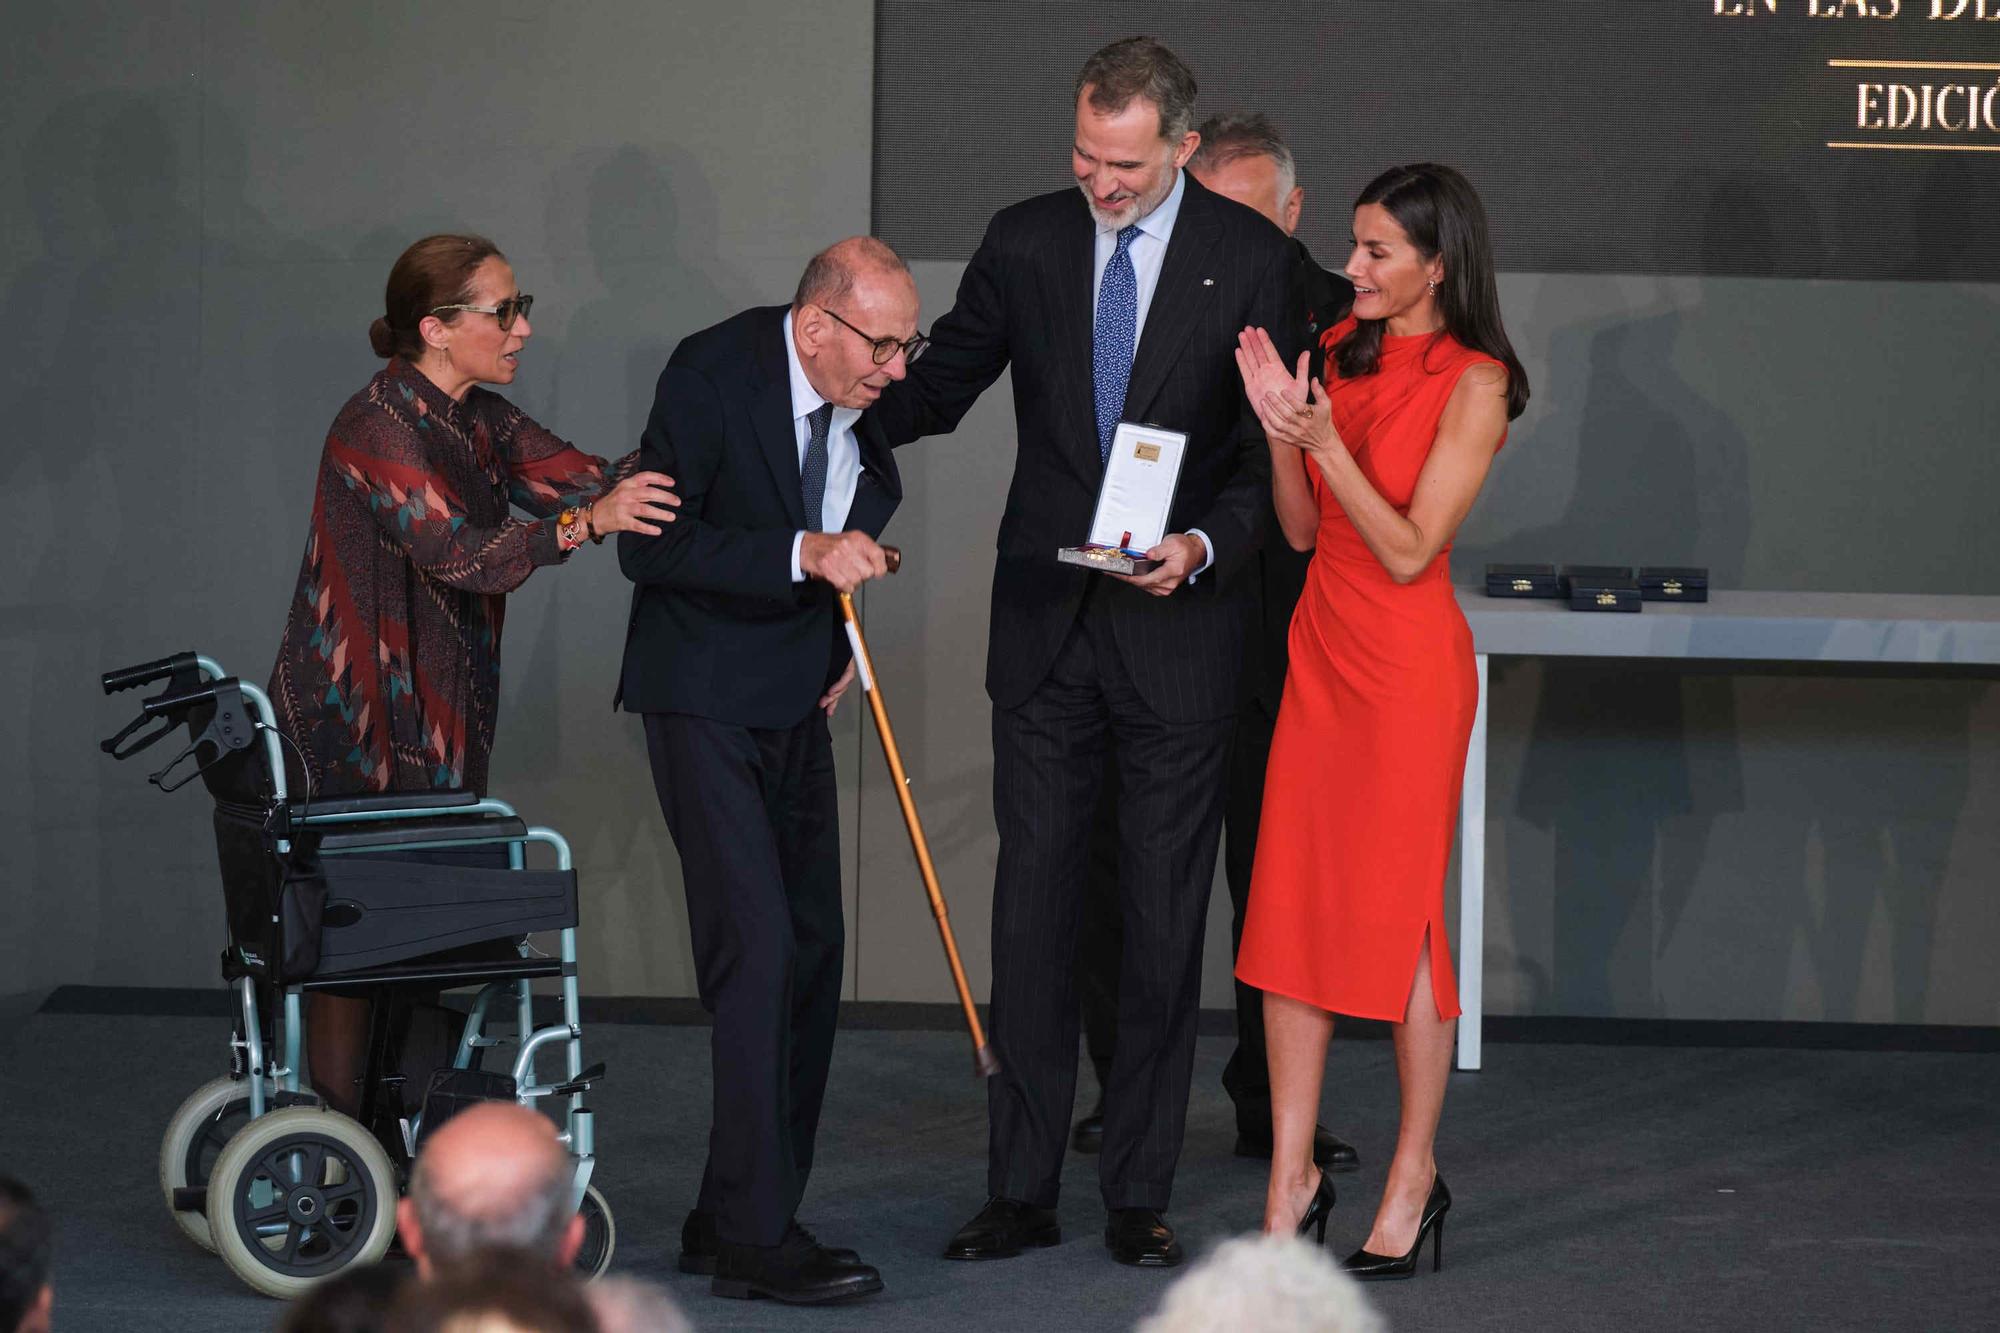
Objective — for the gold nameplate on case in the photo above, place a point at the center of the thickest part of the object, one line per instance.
(1607, 599)
(1672, 587)
(1523, 585)
(1133, 501)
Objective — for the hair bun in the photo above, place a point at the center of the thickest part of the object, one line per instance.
(382, 338)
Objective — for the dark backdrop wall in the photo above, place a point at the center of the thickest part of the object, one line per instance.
(1750, 351)
(201, 202)
(204, 197)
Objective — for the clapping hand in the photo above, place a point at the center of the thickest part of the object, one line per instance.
(1290, 405)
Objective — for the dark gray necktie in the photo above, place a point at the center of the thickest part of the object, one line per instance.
(812, 473)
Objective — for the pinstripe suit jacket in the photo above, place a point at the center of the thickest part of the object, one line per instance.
(1025, 302)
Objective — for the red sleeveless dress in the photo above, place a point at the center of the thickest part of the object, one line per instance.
(1361, 797)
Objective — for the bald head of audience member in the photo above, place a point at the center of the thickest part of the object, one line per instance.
(493, 1177)
(854, 321)
(1264, 1284)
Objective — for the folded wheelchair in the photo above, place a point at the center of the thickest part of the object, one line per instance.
(382, 897)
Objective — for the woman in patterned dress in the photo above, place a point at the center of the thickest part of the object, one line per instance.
(388, 673)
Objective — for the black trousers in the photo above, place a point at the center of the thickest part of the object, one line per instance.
(1050, 757)
(1247, 1076)
(754, 815)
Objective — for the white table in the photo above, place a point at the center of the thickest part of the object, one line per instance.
(1873, 628)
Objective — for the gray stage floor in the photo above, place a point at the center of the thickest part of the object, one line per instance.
(1595, 1187)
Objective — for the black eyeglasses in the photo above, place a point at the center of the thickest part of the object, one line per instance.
(506, 312)
(885, 349)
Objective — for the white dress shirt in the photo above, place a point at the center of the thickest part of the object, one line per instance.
(843, 452)
(1148, 251)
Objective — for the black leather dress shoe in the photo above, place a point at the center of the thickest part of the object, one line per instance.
(1329, 1152)
(1002, 1229)
(794, 1271)
(1141, 1237)
(1088, 1137)
(699, 1241)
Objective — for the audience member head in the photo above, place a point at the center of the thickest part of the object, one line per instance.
(497, 1293)
(1422, 251)
(492, 1177)
(854, 321)
(435, 271)
(632, 1305)
(355, 1301)
(1264, 1284)
(26, 1240)
(1134, 129)
(1243, 157)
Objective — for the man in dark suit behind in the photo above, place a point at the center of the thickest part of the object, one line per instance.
(736, 657)
(1245, 158)
(1085, 668)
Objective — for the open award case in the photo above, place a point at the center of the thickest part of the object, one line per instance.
(1133, 503)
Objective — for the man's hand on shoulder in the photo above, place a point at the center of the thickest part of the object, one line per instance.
(1180, 554)
(845, 559)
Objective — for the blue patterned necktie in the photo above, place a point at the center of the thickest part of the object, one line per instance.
(1113, 338)
(812, 473)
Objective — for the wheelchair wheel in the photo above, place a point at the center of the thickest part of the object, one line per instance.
(206, 1121)
(600, 1236)
(299, 1195)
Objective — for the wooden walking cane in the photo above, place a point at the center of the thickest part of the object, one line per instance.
(984, 1062)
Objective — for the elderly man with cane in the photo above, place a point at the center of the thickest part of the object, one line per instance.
(736, 657)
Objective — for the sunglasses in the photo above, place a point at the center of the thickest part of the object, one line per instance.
(506, 312)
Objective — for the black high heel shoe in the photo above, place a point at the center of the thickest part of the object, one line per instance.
(1319, 1209)
(1372, 1267)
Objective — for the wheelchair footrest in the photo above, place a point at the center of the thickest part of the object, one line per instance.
(581, 1083)
(452, 1090)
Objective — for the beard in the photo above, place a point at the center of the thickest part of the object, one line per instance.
(1133, 209)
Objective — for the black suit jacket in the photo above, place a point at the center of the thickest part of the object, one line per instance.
(718, 628)
(1324, 300)
(1026, 302)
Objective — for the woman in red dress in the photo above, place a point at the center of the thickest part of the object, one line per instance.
(1373, 471)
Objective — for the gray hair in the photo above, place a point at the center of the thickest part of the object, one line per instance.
(1265, 1284)
(1240, 134)
(1141, 67)
(830, 274)
(534, 1224)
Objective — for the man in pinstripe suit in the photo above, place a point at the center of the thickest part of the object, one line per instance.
(1117, 300)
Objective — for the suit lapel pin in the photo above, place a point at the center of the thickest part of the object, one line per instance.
(1208, 282)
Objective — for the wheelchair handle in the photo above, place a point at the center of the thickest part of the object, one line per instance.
(174, 703)
(125, 678)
